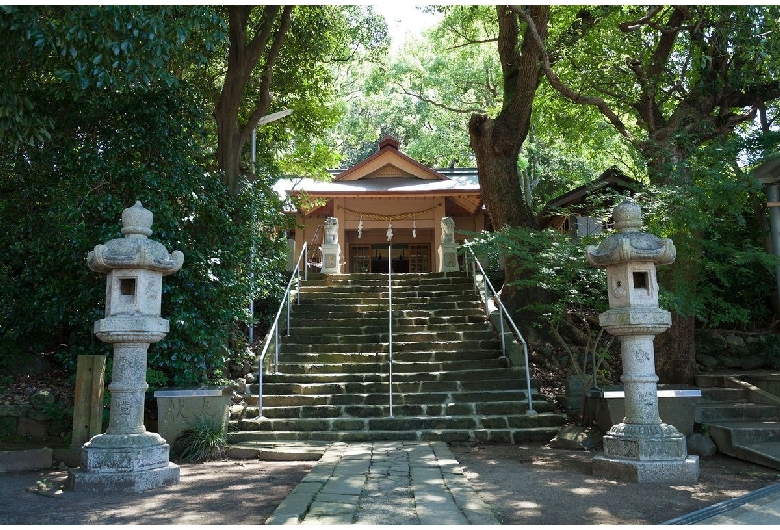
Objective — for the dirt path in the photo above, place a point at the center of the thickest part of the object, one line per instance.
(523, 484)
(225, 492)
(527, 485)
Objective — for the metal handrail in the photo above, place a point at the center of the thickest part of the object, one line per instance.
(316, 249)
(274, 331)
(502, 312)
(390, 321)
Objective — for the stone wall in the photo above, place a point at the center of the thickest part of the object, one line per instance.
(40, 419)
(737, 351)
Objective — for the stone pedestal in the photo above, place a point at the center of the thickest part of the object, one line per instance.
(641, 448)
(127, 457)
(448, 249)
(331, 250)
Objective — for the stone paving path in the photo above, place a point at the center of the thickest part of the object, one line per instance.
(384, 483)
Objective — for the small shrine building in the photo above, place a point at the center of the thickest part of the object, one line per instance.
(387, 194)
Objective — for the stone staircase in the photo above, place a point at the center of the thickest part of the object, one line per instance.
(742, 419)
(450, 380)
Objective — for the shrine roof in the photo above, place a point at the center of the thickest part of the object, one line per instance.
(461, 181)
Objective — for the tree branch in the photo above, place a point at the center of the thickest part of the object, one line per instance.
(556, 82)
(264, 96)
(436, 103)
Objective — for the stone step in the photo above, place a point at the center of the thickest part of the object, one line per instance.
(379, 318)
(766, 454)
(397, 423)
(402, 387)
(382, 410)
(359, 305)
(720, 394)
(455, 436)
(403, 289)
(468, 369)
(748, 440)
(400, 328)
(707, 413)
(356, 335)
(437, 278)
(422, 356)
(486, 398)
(330, 313)
(398, 347)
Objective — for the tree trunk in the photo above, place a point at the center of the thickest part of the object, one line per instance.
(496, 150)
(229, 147)
(675, 352)
(675, 356)
(502, 190)
(497, 142)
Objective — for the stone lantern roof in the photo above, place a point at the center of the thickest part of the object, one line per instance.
(629, 244)
(135, 250)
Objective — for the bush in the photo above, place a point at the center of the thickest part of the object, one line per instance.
(61, 198)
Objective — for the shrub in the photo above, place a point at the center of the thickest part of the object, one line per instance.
(61, 198)
(203, 441)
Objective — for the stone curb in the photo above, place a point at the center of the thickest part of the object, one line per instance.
(25, 460)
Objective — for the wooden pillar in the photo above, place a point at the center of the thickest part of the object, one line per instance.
(88, 402)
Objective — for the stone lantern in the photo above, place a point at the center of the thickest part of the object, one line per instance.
(642, 448)
(127, 457)
(331, 251)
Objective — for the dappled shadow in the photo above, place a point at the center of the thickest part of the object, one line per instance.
(538, 485)
(224, 492)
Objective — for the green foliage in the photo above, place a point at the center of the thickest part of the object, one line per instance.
(60, 51)
(203, 441)
(62, 198)
(551, 261)
(709, 211)
(770, 347)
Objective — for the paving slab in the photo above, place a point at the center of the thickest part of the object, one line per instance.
(385, 483)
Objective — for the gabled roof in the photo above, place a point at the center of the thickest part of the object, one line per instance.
(768, 172)
(388, 161)
(388, 173)
(612, 178)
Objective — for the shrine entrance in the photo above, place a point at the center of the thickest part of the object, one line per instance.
(405, 257)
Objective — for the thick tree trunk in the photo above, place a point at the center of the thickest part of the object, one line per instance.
(675, 352)
(229, 147)
(496, 150)
(497, 142)
(502, 190)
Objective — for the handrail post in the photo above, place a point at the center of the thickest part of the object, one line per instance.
(390, 321)
(501, 318)
(260, 389)
(298, 278)
(288, 314)
(276, 348)
(485, 283)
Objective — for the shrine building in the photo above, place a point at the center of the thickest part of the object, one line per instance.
(387, 201)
